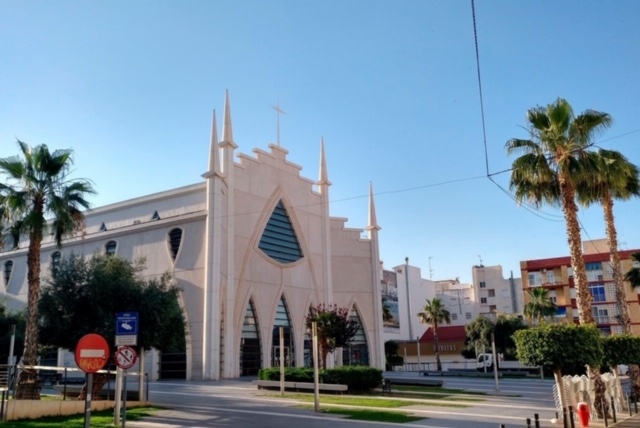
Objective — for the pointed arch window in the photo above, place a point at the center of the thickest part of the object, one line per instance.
(110, 248)
(250, 349)
(55, 260)
(357, 352)
(279, 240)
(103, 228)
(175, 239)
(8, 267)
(155, 216)
(282, 319)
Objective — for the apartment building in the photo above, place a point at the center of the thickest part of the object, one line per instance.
(495, 293)
(556, 275)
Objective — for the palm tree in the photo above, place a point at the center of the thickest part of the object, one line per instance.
(540, 305)
(555, 160)
(434, 313)
(617, 178)
(633, 276)
(38, 197)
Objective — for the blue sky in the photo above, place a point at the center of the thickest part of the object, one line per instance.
(391, 86)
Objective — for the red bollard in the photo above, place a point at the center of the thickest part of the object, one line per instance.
(583, 413)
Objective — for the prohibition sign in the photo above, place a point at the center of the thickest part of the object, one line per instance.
(126, 357)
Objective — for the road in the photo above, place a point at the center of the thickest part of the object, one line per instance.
(236, 403)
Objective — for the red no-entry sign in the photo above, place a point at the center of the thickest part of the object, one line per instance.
(92, 353)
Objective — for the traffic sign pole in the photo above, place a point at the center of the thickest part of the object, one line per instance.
(87, 401)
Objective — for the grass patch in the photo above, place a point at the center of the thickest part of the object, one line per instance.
(365, 401)
(373, 415)
(101, 419)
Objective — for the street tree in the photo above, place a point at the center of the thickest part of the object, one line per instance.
(554, 161)
(479, 333)
(38, 197)
(539, 305)
(622, 349)
(434, 313)
(335, 328)
(83, 296)
(560, 348)
(504, 329)
(615, 179)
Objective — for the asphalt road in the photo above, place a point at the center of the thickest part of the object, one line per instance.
(236, 403)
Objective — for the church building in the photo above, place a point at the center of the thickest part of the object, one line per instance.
(253, 246)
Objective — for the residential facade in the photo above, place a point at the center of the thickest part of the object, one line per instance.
(556, 275)
(252, 246)
(496, 294)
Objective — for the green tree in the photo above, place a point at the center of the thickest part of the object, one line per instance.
(391, 348)
(434, 313)
(39, 197)
(622, 349)
(633, 275)
(479, 332)
(616, 178)
(335, 328)
(560, 348)
(556, 159)
(539, 305)
(505, 328)
(83, 296)
(7, 320)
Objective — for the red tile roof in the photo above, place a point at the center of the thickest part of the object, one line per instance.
(534, 265)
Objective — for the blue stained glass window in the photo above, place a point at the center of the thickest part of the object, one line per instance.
(279, 240)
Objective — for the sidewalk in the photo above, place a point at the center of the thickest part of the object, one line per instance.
(632, 422)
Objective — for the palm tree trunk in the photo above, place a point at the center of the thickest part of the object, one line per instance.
(583, 295)
(570, 210)
(618, 282)
(435, 338)
(28, 388)
(612, 240)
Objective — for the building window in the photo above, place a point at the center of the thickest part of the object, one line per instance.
(597, 291)
(55, 260)
(593, 266)
(468, 315)
(561, 312)
(483, 300)
(103, 228)
(601, 315)
(155, 216)
(535, 279)
(483, 284)
(175, 239)
(110, 248)
(454, 317)
(8, 267)
(550, 278)
(279, 240)
(553, 299)
(493, 308)
(491, 293)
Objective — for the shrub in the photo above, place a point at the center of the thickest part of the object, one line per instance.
(357, 378)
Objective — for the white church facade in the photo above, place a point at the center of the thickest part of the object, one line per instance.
(253, 246)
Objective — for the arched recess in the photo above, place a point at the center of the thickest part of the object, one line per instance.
(282, 319)
(250, 347)
(357, 352)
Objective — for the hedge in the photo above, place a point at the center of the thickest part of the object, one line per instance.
(357, 378)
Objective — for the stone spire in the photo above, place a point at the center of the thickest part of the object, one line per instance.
(227, 131)
(214, 150)
(323, 179)
(373, 222)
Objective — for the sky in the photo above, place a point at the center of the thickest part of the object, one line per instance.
(391, 87)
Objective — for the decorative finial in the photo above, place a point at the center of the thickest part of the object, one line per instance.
(279, 111)
(227, 131)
